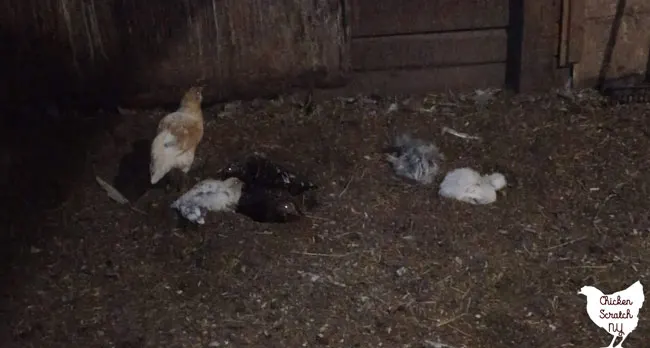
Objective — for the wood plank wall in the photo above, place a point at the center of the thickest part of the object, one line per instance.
(419, 45)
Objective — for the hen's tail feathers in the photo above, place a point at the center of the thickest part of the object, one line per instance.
(429, 151)
(405, 142)
(162, 156)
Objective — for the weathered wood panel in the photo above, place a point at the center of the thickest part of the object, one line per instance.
(537, 67)
(441, 79)
(576, 30)
(565, 25)
(629, 54)
(607, 8)
(389, 17)
(151, 51)
(426, 50)
(572, 31)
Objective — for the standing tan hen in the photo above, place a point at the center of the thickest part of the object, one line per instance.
(179, 133)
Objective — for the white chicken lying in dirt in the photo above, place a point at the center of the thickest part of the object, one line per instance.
(179, 133)
(415, 159)
(467, 185)
(209, 195)
(617, 313)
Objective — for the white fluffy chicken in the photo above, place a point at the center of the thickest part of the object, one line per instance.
(617, 313)
(467, 185)
(209, 195)
(179, 133)
(415, 159)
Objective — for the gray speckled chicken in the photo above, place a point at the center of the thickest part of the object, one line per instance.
(415, 159)
(209, 195)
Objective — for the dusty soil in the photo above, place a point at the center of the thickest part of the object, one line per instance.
(379, 263)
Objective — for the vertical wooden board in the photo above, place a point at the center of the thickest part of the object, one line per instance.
(571, 37)
(540, 32)
(563, 54)
(345, 57)
(576, 30)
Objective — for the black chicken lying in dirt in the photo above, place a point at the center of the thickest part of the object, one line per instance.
(260, 171)
(271, 193)
(269, 205)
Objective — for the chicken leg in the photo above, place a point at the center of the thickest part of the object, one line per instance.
(611, 344)
(184, 177)
(168, 184)
(620, 344)
(176, 182)
(184, 183)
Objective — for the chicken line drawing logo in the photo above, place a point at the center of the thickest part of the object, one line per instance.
(617, 313)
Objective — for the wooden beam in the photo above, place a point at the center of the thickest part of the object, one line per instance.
(538, 26)
(608, 8)
(391, 17)
(563, 54)
(572, 32)
(429, 50)
(345, 46)
(576, 30)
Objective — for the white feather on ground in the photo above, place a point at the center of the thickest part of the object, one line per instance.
(113, 193)
(415, 159)
(209, 195)
(467, 185)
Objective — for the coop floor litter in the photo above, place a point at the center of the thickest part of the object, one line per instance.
(379, 263)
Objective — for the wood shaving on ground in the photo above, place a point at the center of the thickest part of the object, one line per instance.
(459, 134)
(484, 96)
(111, 191)
(433, 344)
(315, 278)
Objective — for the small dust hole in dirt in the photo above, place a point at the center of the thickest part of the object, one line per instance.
(132, 179)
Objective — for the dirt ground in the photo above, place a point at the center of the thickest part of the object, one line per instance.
(379, 263)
